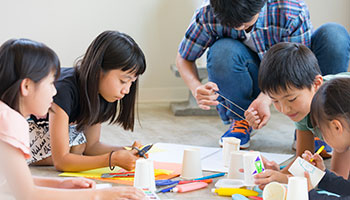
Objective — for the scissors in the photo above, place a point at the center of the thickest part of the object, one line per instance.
(142, 152)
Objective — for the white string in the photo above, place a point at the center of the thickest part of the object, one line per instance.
(231, 102)
(232, 111)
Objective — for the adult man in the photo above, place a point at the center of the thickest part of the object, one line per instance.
(239, 32)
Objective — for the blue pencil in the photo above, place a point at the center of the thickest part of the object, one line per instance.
(211, 176)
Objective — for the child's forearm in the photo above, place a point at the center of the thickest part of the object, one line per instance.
(46, 182)
(74, 162)
(43, 193)
(101, 148)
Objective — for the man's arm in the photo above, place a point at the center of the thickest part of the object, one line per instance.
(204, 94)
(188, 72)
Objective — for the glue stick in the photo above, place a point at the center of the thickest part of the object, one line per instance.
(189, 187)
(230, 191)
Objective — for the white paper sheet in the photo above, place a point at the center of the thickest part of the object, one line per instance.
(212, 158)
(300, 165)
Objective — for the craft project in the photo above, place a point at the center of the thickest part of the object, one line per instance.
(300, 165)
(144, 175)
(252, 165)
(162, 171)
(211, 157)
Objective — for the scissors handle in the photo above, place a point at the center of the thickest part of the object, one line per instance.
(165, 182)
(142, 152)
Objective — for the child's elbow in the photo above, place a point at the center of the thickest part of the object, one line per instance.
(61, 164)
(60, 167)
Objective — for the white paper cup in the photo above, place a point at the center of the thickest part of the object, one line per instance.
(236, 163)
(230, 144)
(297, 188)
(144, 175)
(249, 159)
(191, 164)
(275, 191)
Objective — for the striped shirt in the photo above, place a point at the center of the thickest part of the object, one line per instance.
(278, 21)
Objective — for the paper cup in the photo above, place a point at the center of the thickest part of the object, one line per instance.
(236, 163)
(144, 175)
(230, 144)
(275, 191)
(297, 188)
(250, 161)
(191, 164)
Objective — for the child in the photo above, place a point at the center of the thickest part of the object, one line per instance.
(27, 72)
(290, 76)
(101, 87)
(330, 113)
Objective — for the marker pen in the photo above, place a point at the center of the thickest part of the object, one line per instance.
(189, 187)
(230, 191)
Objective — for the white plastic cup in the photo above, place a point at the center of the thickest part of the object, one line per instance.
(230, 144)
(275, 191)
(191, 164)
(144, 175)
(249, 159)
(297, 188)
(236, 163)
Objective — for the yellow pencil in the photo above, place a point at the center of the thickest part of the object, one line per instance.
(318, 152)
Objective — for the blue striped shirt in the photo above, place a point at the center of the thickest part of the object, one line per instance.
(278, 21)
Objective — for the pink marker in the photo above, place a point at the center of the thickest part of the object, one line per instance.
(189, 187)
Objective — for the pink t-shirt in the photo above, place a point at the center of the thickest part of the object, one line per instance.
(14, 129)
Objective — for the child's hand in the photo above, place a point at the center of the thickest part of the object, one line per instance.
(118, 193)
(137, 144)
(269, 176)
(317, 159)
(270, 164)
(77, 183)
(309, 185)
(258, 112)
(125, 159)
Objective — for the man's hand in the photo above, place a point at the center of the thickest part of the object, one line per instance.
(206, 96)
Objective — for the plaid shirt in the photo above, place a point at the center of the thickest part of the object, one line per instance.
(279, 21)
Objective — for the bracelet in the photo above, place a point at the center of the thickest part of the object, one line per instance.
(110, 162)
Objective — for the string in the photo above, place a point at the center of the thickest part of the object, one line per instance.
(232, 111)
(232, 104)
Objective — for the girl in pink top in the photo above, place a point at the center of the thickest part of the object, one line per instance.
(28, 70)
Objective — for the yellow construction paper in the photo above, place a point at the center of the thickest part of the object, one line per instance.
(96, 173)
(152, 150)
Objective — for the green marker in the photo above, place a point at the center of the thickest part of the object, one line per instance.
(259, 166)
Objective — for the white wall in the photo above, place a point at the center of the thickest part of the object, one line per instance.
(68, 26)
(322, 11)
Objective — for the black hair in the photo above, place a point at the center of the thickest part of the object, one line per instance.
(233, 13)
(110, 50)
(331, 101)
(21, 59)
(287, 65)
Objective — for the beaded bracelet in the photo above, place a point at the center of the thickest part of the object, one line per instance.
(110, 162)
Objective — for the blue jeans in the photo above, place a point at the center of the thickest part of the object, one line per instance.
(234, 67)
